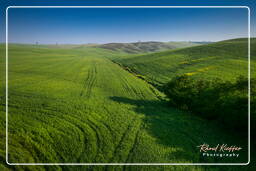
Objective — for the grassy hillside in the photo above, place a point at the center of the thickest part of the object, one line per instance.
(145, 47)
(225, 60)
(76, 105)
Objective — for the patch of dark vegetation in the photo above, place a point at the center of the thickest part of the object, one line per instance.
(219, 100)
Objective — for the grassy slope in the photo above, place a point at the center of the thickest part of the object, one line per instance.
(226, 60)
(77, 106)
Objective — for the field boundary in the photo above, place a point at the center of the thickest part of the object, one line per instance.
(12, 7)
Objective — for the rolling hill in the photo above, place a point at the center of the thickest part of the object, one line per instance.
(145, 47)
(226, 60)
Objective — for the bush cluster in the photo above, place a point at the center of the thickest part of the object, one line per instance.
(224, 101)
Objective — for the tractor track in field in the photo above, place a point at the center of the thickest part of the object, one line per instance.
(127, 86)
(122, 139)
(95, 128)
(97, 136)
(134, 74)
(130, 89)
(87, 134)
(77, 124)
(106, 125)
(134, 144)
(82, 128)
(133, 92)
(68, 121)
(89, 82)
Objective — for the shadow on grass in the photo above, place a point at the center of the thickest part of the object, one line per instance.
(177, 129)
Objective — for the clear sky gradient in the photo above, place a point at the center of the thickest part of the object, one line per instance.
(87, 25)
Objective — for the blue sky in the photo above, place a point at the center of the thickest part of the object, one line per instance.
(84, 25)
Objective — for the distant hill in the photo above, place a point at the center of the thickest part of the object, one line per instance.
(144, 47)
(131, 48)
(226, 60)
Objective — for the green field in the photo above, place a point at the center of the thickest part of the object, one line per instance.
(77, 105)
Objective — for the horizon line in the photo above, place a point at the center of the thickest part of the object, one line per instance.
(191, 41)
